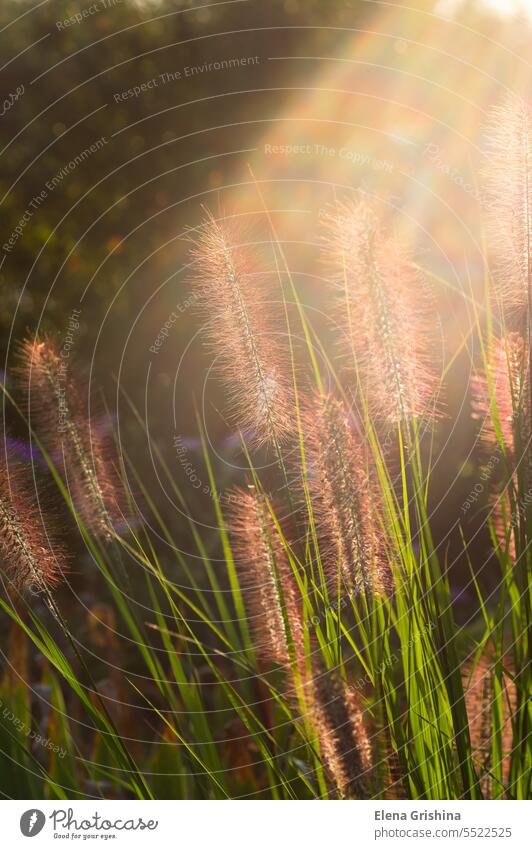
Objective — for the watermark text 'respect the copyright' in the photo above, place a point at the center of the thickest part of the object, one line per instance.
(347, 154)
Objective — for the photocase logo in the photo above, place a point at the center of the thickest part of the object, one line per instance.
(32, 822)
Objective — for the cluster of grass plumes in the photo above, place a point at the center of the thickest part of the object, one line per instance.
(335, 486)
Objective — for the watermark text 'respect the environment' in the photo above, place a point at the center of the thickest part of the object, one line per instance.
(87, 12)
(187, 72)
(50, 186)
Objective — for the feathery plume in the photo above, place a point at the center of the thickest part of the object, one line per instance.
(92, 478)
(267, 580)
(31, 558)
(508, 187)
(508, 374)
(242, 333)
(479, 690)
(395, 786)
(382, 312)
(344, 498)
(505, 411)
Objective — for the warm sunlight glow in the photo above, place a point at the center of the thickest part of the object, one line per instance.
(503, 7)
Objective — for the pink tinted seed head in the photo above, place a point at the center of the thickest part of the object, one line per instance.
(383, 313)
(243, 331)
(508, 190)
(90, 465)
(267, 579)
(344, 497)
(32, 558)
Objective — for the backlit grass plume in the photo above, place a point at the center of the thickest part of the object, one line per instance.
(500, 402)
(490, 708)
(31, 558)
(500, 398)
(242, 332)
(508, 183)
(344, 743)
(382, 313)
(267, 580)
(344, 498)
(54, 397)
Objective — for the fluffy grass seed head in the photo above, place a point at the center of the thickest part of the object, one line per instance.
(508, 197)
(54, 396)
(243, 332)
(500, 397)
(480, 695)
(344, 743)
(31, 557)
(268, 584)
(344, 498)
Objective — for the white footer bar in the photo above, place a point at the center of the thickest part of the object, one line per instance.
(276, 825)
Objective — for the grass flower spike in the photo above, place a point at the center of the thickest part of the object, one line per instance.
(242, 333)
(267, 580)
(508, 183)
(344, 498)
(274, 602)
(343, 739)
(500, 398)
(481, 702)
(31, 560)
(382, 313)
(92, 478)
(500, 401)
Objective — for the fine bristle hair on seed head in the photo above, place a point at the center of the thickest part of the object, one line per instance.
(501, 404)
(243, 330)
(344, 743)
(382, 311)
(479, 691)
(31, 557)
(344, 498)
(508, 199)
(267, 580)
(503, 392)
(54, 398)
